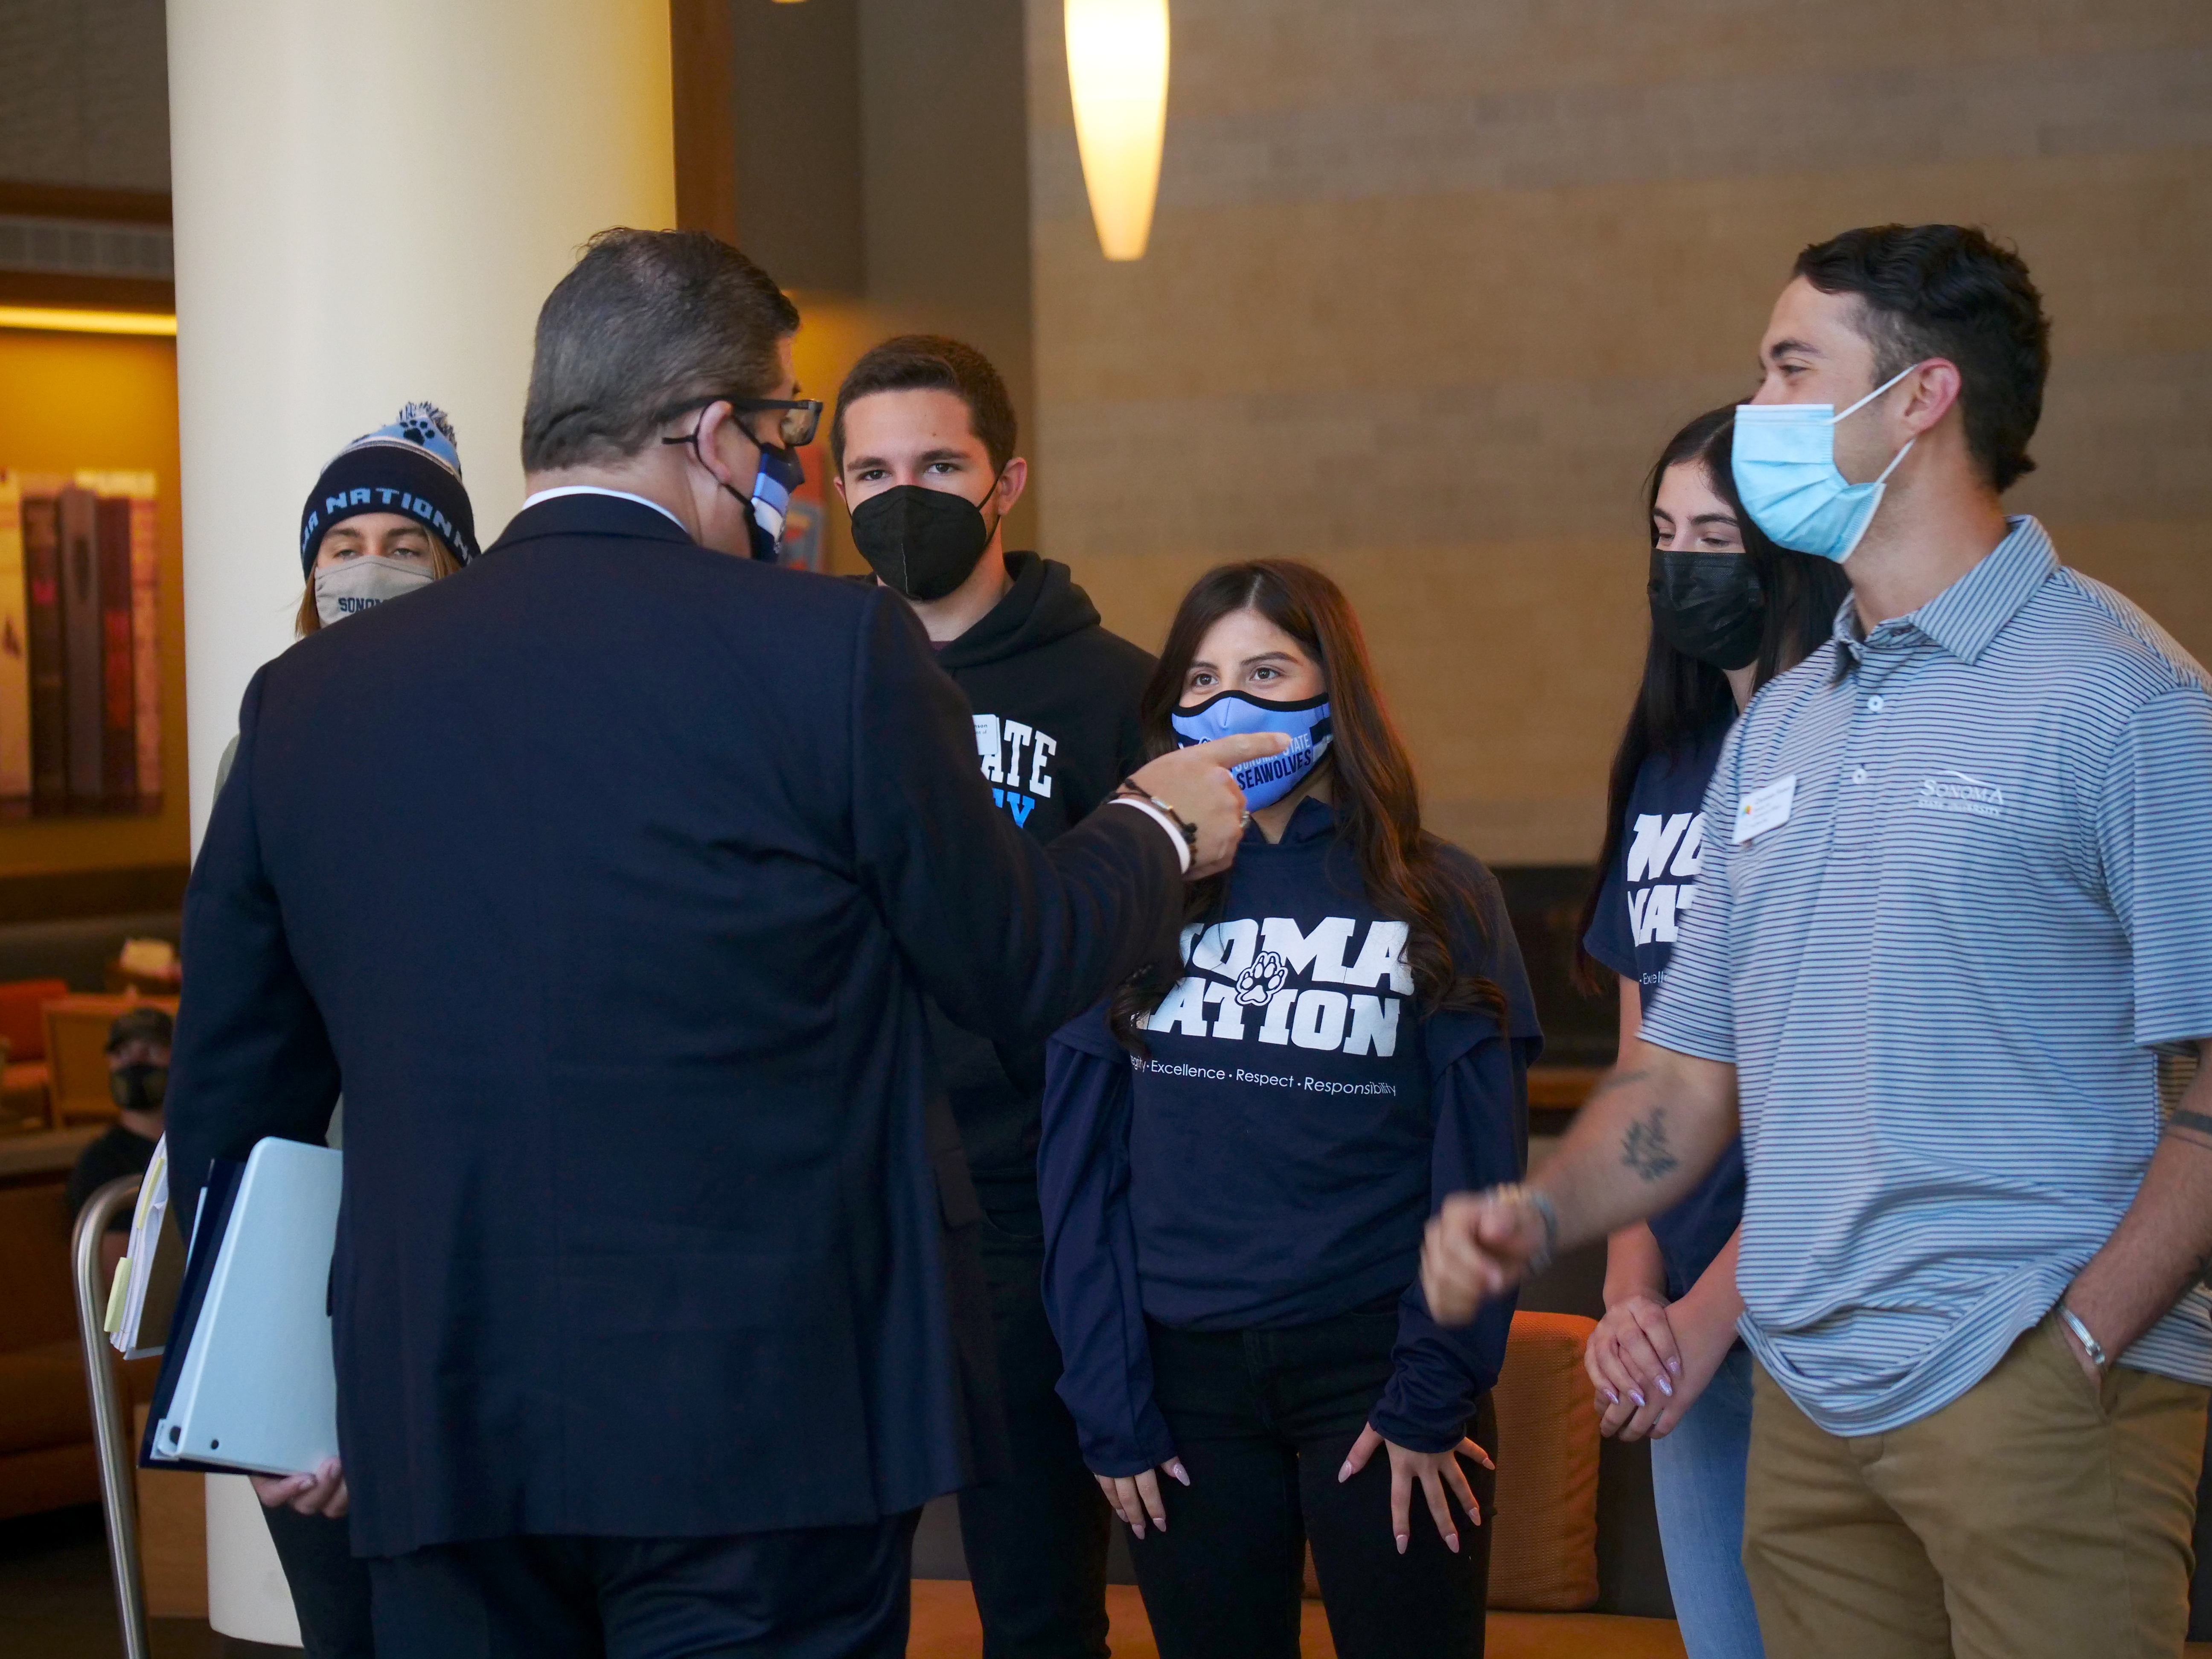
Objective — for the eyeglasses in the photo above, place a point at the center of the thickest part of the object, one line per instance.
(796, 423)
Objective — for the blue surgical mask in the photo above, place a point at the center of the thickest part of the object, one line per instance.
(781, 472)
(1784, 462)
(1231, 714)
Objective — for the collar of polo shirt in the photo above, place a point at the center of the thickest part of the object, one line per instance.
(1968, 614)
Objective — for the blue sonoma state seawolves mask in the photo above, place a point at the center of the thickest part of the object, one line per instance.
(1232, 714)
(1783, 457)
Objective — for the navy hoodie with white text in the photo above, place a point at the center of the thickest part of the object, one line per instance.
(1054, 700)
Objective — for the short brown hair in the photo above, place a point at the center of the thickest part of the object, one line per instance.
(1950, 291)
(931, 362)
(647, 324)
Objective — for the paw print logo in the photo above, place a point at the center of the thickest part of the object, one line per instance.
(424, 425)
(1268, 975)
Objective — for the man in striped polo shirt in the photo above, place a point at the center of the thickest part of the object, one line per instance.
(1963, 911)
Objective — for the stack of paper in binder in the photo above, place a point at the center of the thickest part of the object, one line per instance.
(247, 1383)
(143, 1298)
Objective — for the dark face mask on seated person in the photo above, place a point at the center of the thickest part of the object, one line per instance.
(923, 542)
(139, 1088)
(1709, 605)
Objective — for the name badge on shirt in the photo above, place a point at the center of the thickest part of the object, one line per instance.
(1765, 809)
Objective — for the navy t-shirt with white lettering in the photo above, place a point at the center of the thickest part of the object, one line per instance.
(1647, 893)
(1274, 1160)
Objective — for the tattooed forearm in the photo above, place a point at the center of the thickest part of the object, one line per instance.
(1644, 1148)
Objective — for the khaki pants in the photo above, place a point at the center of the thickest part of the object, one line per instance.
(2027, 1517)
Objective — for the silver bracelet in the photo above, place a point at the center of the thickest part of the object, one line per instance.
(1514, 1192)
(2090, 1345)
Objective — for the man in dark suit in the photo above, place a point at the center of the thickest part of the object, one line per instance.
(608, 876)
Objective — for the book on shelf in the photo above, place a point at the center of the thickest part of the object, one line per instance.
(80, 643)
(42, 629)
(146, 640)
(118, 688)
(15, 659)
(83, 658)
(129, 578)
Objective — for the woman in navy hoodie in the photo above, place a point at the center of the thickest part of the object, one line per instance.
(1238, 1163)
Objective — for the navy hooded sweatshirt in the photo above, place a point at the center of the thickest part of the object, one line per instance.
(1276, 1159)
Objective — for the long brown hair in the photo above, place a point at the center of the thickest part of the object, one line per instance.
(1403, 867)
(442, 565)
(1681, 698)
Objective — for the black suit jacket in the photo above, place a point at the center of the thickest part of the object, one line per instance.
(606, 877)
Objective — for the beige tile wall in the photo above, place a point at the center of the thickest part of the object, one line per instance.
(1432, 280)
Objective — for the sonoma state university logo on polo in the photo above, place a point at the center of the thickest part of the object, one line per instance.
(1272, 981)
(1953, 791)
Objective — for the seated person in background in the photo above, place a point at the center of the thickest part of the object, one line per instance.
(1236, 1168)
(138, 1080)
(924, 444)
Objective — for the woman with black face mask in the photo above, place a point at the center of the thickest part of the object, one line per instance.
(1729, 610)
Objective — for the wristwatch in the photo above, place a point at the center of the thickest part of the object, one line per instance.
(1513, 1191)
(2090, 1345)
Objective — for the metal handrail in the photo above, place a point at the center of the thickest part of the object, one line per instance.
(110, 1433)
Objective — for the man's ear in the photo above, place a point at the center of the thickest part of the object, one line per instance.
(721, 434)
(1934, 393)
(1011, 482)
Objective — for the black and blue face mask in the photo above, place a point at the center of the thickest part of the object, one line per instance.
(1233, 713)
(781, 473)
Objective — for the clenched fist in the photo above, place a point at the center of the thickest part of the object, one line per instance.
(1480, 1245)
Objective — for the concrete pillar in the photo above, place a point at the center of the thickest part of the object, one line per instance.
(371, 199)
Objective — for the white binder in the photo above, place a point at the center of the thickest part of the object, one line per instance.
(256, 1391)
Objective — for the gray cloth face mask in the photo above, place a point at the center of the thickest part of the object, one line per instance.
(364, 582)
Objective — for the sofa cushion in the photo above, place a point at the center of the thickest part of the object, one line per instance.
(42, 1398)
(1543, 1555)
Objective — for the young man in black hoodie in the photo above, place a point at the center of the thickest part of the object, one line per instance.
(923, 446)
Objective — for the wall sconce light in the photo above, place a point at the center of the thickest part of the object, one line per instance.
(1117, 75)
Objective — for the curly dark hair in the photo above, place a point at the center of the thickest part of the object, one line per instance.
(1949, 291)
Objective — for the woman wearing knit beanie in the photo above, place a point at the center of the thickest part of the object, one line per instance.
(389, 514)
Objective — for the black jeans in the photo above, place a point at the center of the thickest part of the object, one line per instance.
(810, 1593)
(330, 1588)
(1036, 1542)
(1262, 1420)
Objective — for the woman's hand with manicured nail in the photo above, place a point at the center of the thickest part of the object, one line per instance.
(1632, 1358)
(1136, 1497)
(1436, 1473)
